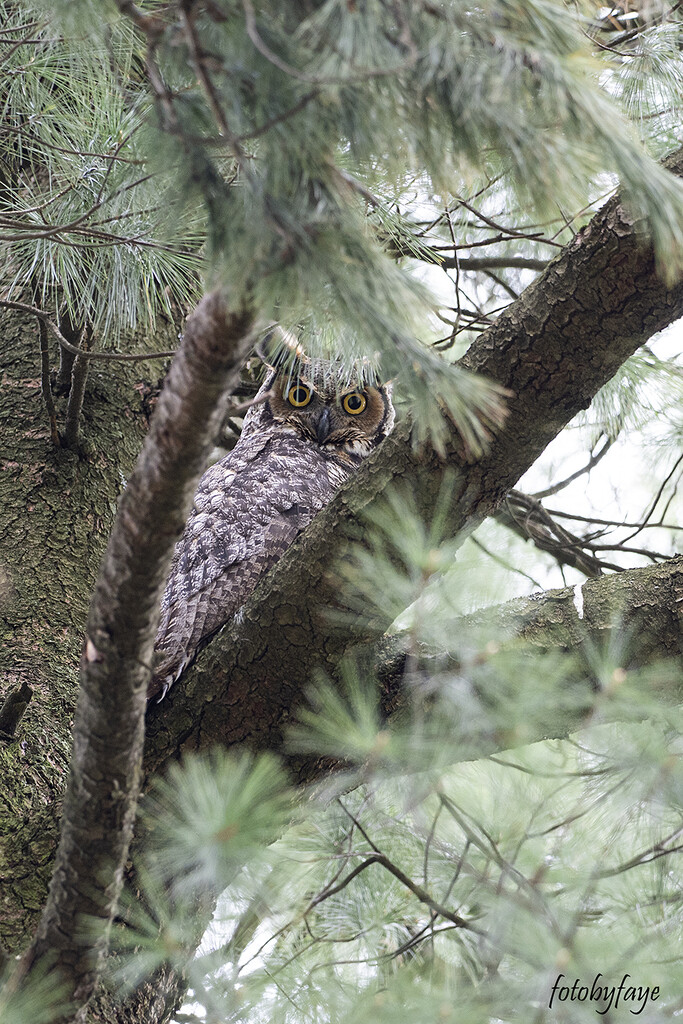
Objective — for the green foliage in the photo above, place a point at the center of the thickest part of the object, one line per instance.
(83, 218)
(41, 1002)
(267, 148)
(213, 815)
(204, 822)
(645, 387)
(427, 879)
(539, 854)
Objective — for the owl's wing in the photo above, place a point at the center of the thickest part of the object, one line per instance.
(248, 509)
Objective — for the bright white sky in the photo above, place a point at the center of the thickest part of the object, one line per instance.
(620, 487)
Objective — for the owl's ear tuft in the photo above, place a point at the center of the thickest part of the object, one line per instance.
(280, 350)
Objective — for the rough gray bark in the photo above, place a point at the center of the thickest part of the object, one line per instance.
(56, 510)
(115, 669)
(553, 348)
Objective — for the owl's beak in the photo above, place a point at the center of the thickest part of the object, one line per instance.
(323, 425)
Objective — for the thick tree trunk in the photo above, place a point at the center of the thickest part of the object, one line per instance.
(56, 512)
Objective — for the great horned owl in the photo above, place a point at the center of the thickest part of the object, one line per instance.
(301, 439)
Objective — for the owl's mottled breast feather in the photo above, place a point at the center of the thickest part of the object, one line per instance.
(303, 437)
(248, 509)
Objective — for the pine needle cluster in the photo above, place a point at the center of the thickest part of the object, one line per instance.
(271, 148)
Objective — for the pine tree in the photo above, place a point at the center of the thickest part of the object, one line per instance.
(448, 811)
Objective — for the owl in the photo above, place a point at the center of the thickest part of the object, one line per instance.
(302, 438)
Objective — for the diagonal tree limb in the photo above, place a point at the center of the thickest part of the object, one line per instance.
(553, 348)
(105, 771)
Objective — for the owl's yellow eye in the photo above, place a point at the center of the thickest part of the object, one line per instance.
(354, 402)
(299, 395)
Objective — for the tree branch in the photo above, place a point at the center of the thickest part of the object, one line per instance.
(595, 458)
(492, 263)
(104, 778)
(74, 405)
(526, 517)
(645, 604)
(553, 348)
(113, 357)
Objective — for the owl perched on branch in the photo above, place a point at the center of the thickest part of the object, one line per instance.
(304, 436)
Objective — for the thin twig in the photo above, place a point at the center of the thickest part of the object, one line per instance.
(419, 937)
(197, 62)
(502, 284)
(428, 843)
(456, 283)
(39, 143)
(355, 184)
(120, 357)
(284, 116)
(508, 232)
(612, 522)
(74, 405)
(654, 504)
(527, 517)
(380, 858)
(239, 410)
(504, 563)
(646, 857)
(592, 462)
(417, 890)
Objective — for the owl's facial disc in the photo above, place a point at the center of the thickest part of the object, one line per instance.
(347, 421)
